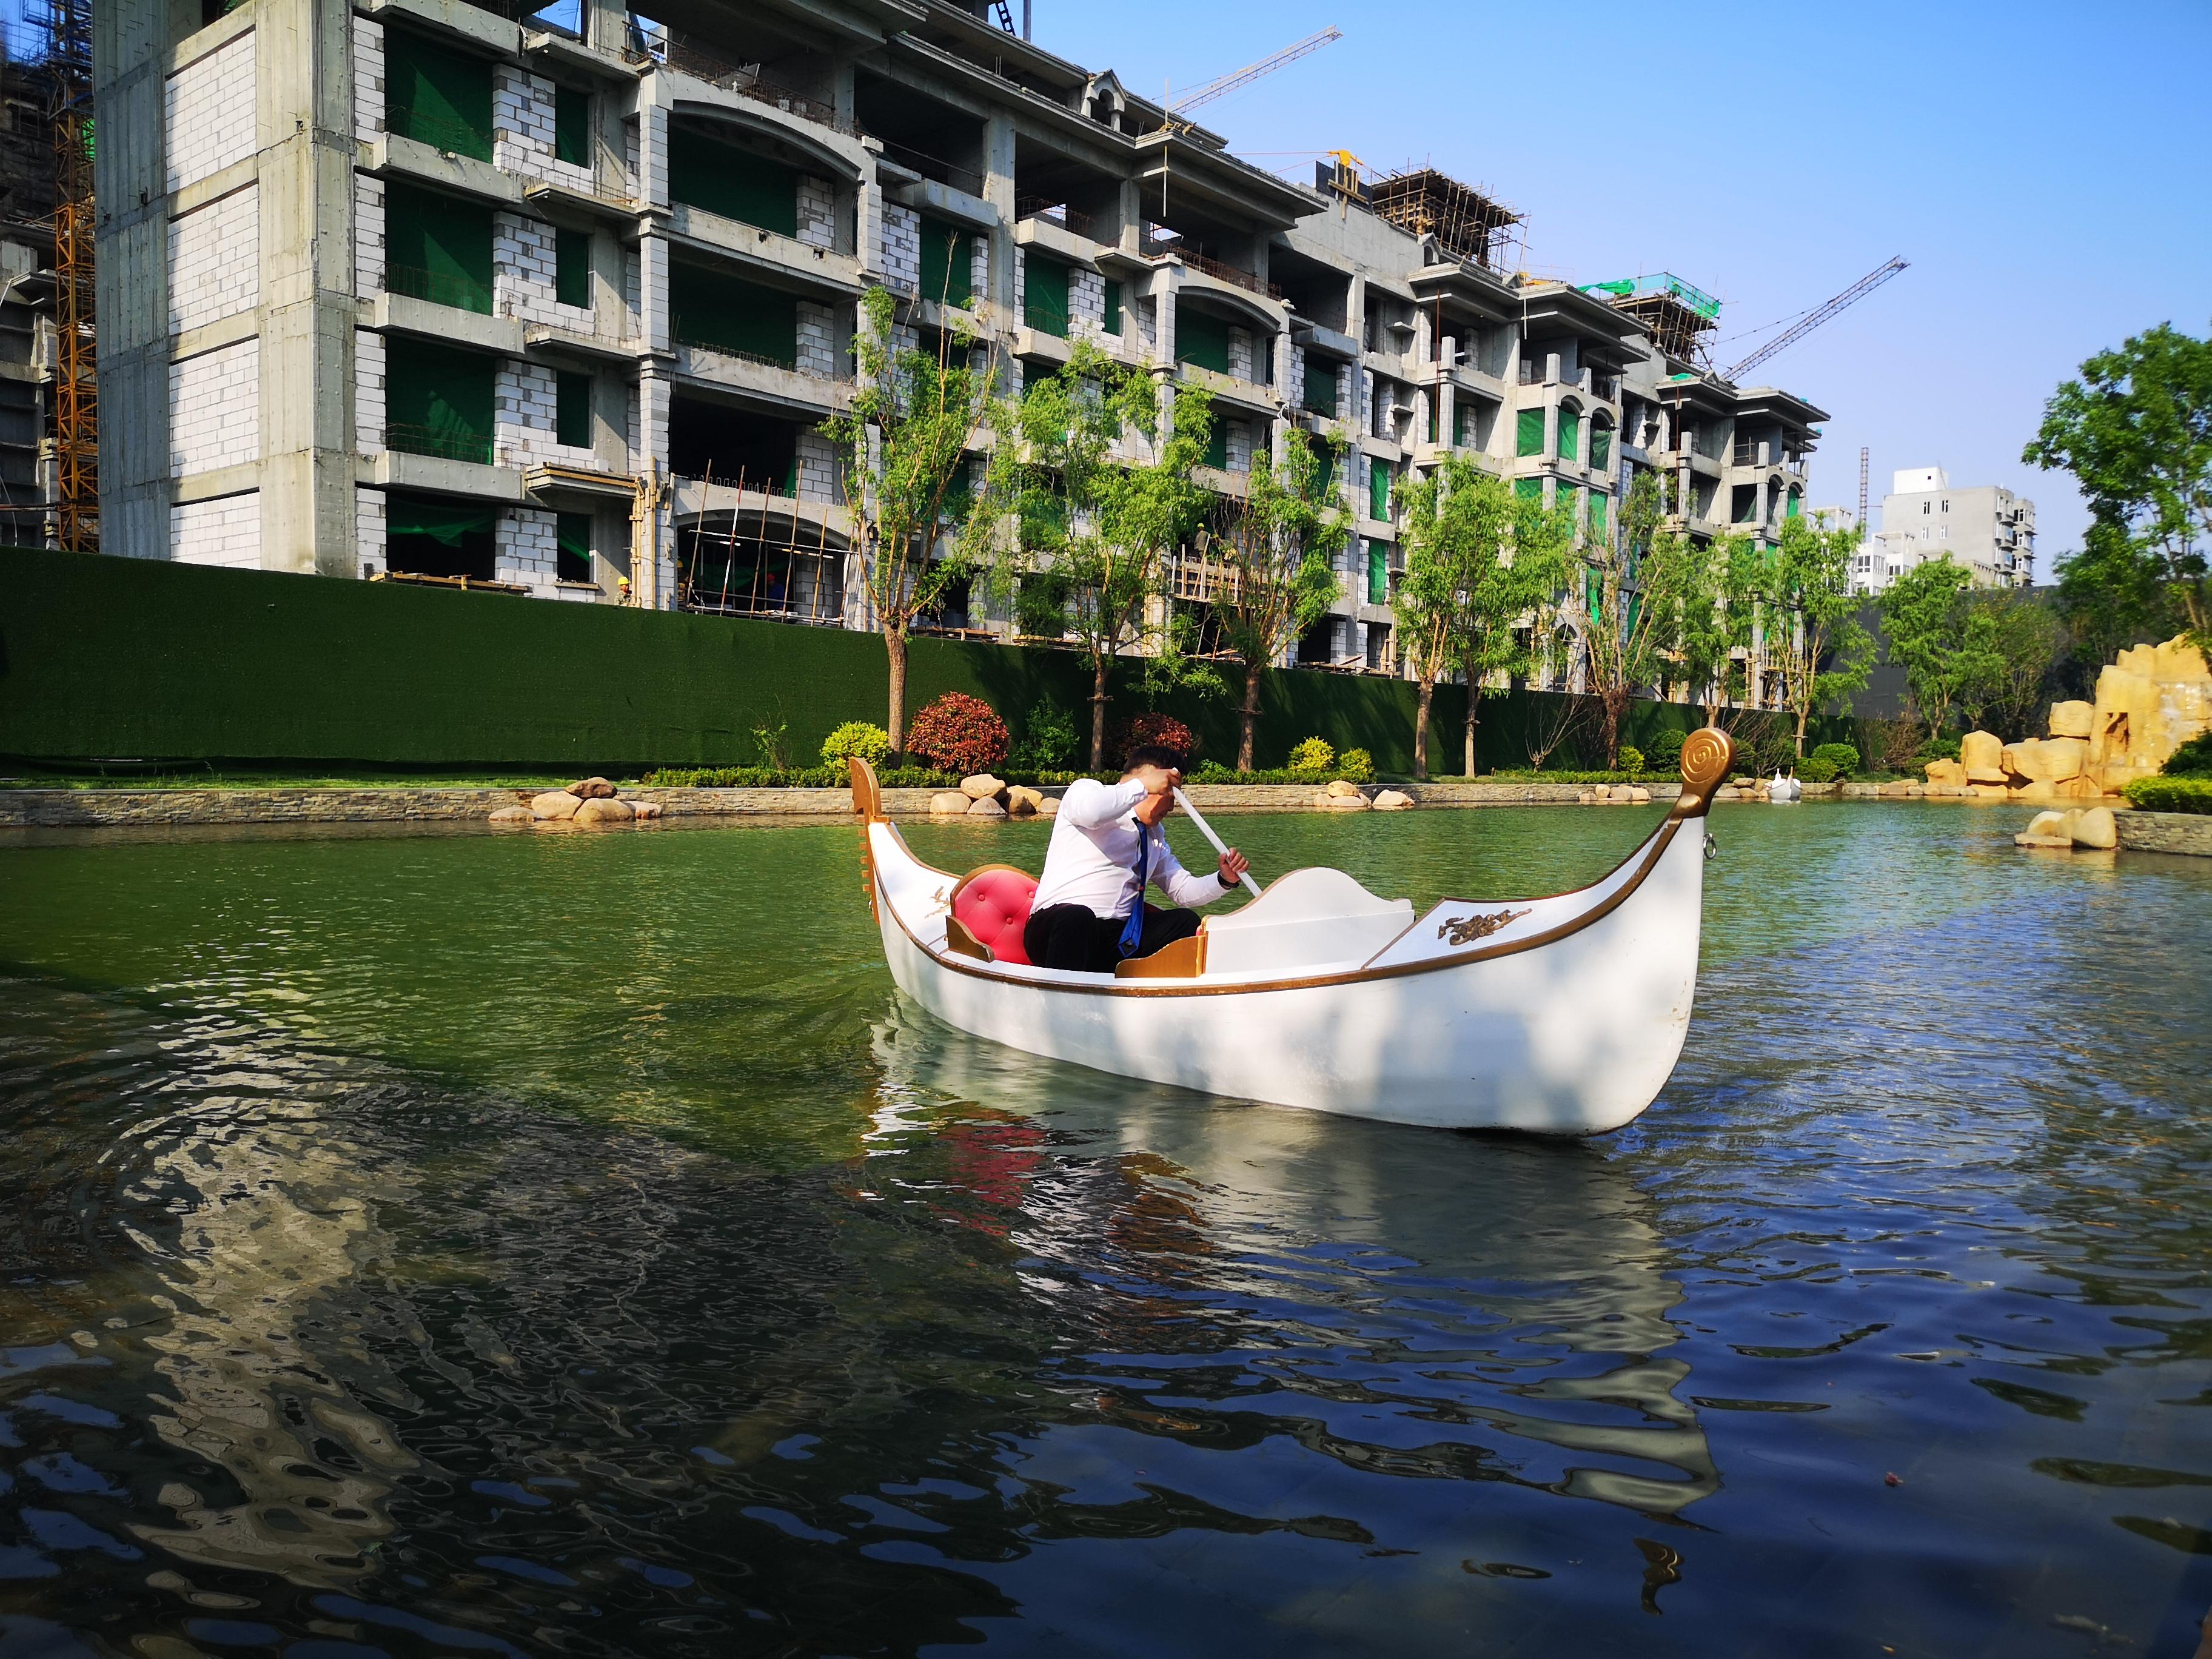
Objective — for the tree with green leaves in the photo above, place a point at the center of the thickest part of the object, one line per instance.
(1482, 566)
(2135, 431)
(1716, 589)
(1920, 616)
(2010, 647)
(1103, 498)
(1269, 553)
(1638, 585)
(1824, 655)
(2113, 594)
(917, 527)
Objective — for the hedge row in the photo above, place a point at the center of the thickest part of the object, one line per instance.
(2183, 794)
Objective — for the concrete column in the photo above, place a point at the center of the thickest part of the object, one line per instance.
(606, 24)
(868, 229)
(131, 276)
(652, 305)
(998, 191)
(303, 120)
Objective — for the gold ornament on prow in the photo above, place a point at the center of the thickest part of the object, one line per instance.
(1707, 755)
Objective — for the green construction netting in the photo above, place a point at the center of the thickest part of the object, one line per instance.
(705, 172)
(572, 267)
(1320, 390)
(1571, 434)
(1530, 433)
(1113, 323)
(1600, 448)
(948, 270)
(727, 313)
(437, 247)
(572, 537)
(1216, 445)
(571, 126)
(1378, 573)
(441, 520)
(1596, 513)
(436, 96)
(1044, 295)
(572, 410)
(437, 400)
(1202, 339)
(1378, 489)
(1528, 489)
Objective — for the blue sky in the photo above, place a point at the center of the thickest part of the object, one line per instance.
(2046, 169)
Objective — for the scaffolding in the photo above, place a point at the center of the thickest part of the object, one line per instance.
(1673, 312)
(1465, 222)
(66, 27)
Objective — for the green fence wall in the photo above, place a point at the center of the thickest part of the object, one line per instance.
(111, 657)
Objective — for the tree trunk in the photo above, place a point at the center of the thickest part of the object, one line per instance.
(1099, 713)
(1612, 702)
(894, 649)
(1803, 710)
(1473, 705)
(1422, 698)
(1251, 718)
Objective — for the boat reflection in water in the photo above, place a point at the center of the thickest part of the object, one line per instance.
(1513, 1291)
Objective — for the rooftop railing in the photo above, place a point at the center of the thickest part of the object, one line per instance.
(1053, 213)
(715, 65)
(934, 166)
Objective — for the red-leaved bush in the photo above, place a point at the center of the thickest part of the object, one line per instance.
(958, 733)
(1152, 728)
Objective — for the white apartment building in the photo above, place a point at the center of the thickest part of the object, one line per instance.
(1986, 528)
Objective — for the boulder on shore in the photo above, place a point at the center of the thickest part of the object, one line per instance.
(592, 789)
(981, 786)
(986, 806)
(2047, 760)
(2072, 719)
(555, 805)
(1340, 787)
(2094, 827)
(646, 809)
(514, 815)
(949, 801)
(604, 809)
(1392, 800)
(1329, 800)
(1947, 772)
(1982, 753)
(1639, 795)
(1049, 807)
(1022, 800)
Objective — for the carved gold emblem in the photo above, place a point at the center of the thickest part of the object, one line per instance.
(1465, 930)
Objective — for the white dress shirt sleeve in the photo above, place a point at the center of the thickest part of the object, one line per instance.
(1090, 804)
(1178, 883)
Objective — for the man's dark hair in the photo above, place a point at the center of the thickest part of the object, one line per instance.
(1153, 754)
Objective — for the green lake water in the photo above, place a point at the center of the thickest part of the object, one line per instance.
(541, 1244)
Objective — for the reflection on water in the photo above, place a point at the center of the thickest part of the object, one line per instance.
(451, 1244)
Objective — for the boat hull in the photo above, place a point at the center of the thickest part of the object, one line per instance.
(1573, 1037)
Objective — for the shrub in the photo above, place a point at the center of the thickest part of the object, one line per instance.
(1665, 754)
(771, 777)
(2192, 760)
(1356, 766)
(1048, 740)
(1943, 748)
(1817, 768)
(1841, 756)
(959, 734)
(1632, 760)
(2164, 794)
(856, 740)
(1313, 758)
(1165, 730)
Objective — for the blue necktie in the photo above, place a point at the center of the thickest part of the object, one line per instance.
(1133, 931)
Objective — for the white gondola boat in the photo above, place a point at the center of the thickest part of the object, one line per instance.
(1560, 1015)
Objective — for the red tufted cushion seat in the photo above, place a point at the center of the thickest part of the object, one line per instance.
(993, 904)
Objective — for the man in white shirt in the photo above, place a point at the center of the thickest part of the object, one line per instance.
(1106, 849)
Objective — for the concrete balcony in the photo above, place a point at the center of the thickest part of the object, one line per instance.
(1248, 395)
(392, 156)
(401, 313)
(764, 380)
(394, 469)
(765, 250)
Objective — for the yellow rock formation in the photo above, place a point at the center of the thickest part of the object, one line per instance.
(2152, 699)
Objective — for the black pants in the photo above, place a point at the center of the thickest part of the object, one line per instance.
(1077, 937)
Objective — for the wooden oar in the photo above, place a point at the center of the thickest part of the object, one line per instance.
(1206, 829)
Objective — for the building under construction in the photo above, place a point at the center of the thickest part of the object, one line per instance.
(28, 354)
(560, 300)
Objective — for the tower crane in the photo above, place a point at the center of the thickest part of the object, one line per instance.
(1222, 86)
(1813, 320)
